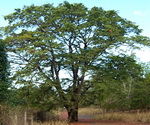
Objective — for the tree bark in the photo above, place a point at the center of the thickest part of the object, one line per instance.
(73, 113)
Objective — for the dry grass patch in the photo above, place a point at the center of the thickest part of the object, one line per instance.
(89, 111)
(19, 116)
(53, 123)
(134, 117)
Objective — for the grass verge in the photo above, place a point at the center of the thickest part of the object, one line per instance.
(133, 117)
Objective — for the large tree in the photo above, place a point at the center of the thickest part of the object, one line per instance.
(58, 46)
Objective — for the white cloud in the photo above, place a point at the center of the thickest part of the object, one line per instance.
(139, 13)
(142, 13)
(143, 54)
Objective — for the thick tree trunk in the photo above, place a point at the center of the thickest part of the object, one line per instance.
(73, 113)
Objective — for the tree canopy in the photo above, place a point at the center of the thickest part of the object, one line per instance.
(47, 42)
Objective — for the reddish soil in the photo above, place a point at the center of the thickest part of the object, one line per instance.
(87, 120)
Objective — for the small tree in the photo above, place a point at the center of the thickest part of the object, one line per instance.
(48, 42)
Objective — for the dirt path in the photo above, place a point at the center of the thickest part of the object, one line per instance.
(87, 120)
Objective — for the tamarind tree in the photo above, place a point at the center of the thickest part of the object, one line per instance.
(59, 46)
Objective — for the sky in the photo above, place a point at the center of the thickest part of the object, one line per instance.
(137, 11)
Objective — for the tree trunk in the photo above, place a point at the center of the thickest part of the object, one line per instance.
(73, 113)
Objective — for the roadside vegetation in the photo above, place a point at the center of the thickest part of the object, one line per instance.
(15, 117)
(143, 117)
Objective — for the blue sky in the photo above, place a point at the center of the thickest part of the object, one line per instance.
(137, 11)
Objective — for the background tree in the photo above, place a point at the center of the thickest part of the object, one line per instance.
(40, 97)
(141, 98)
(48, 42)
(115, 88)
(4, 84)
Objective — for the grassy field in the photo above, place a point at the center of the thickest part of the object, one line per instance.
(127, 117)
(98, 114)
(19, 117)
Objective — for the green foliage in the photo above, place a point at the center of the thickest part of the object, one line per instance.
(141, 98)
(115, 88)
(4, 84)
(121, 67)
(41, 97)
(47, 41)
